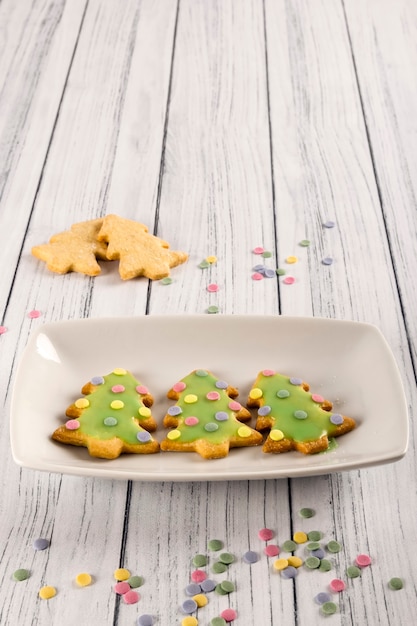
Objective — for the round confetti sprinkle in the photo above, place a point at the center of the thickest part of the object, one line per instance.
(280, 271)
(257, 276)
(41, 544)
(215, 545)
(109, 421)
(300, 415)
(300, 537)
(212, 287)
(271, 550)
(325, 565)
(208, 585)
(189, 606)
(329, 224)
(211, 427)
(34, 314)
(353, 571)
(322, 597)
(82, 403)
(191, 420)
(21, 574)
(121, 587)
(291, 259)
(227, 586)
(211, 259)
(191, 398)
(199, 560)
(135, 581)
(143, 436)
(306, 512)
(328, 608)
(47, 592)
(250, 557)
(189, 621)
(327, 260)
(201, 373)
(192, 589)
(117, 405)
(218, 621)
(363, 560)
(304, 243)
(226, 558)
(315, 535)
(258, 250)
(244, 431)
(296, 381)
(97, 380)
(289, 280)
(313, 545)
(173, 434)
(119, 371)
(121, 574)
(280, 564)
(268, 273)
(283, 393)
(295, 561)
(200, 599)
(337, 584)
(221, 416)
(219, 567)
(289, 546)
(264, 410)
(166, 281)
(337, 419)
(229, 615)
(3, 330)
(213, 309)
(316, 397)
(333, 546)
(174, 410)
(83, 579)
(319, 553)
(198, 575)
(289, 572)
(312, 562)
(265, 534)
(266, 254)
(395, 583)
(72, 424)
(204, 265)
(213, 395)
(145, 620)
(180, 386)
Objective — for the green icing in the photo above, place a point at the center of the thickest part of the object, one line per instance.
(92, 418)
(315, 425)
(205, 410)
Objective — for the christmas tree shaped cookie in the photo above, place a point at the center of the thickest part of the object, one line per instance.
(297, 419)
(74, 250)
(139, 252)
(206, 417)
(112, 417)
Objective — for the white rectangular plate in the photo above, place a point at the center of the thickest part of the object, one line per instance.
(349, 363)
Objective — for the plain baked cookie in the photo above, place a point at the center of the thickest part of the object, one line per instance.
(112, 417)
(297, 419)
(74, 250)
(139, 252)
(206, 417)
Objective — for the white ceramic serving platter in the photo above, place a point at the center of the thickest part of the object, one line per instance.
(349, 363)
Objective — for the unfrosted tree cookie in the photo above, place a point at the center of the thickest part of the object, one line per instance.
(74, 250)
(112, 417)
(139, 253)
(206, 417)
(296, 419)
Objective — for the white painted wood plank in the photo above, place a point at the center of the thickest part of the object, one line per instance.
(76, 511)
(383, 45)
(323, 171)
(37, 43)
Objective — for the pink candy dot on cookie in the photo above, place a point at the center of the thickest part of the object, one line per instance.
(118, 389)
(178, 387)
(234, 406)
(142, 389)
(72, 424)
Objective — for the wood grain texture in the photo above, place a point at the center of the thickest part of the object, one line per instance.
(222, 126)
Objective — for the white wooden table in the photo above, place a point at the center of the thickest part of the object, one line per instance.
(222, 126)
